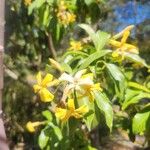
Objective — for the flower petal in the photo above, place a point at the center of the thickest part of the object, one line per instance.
(36, 88)
(79, 74)
(66, 77)
(60, 113)
(45, 95)
(47, 79)
(30, 127)
(82, 110)
(97, 87)
(71, 104)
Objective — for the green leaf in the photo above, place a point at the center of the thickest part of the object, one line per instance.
(66, 67)
(43, 139)
(46, 16)
(130, 93)
(39, 3)
(140, 122)
(93, 57)
(91, 33)
(58, 133)
(50, 2)
(35, 5)
(56, 130)
(135, 99)
(89, 120)
(136, 58)
(99, 38)
(138, 86)
(89, 2)
(102, 39)
(105, 107)
(115, 72)
(47, 114)
(74, 53)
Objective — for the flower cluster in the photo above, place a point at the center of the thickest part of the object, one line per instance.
(75, 87)
(64, 16)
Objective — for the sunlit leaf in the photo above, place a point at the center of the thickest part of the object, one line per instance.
(99, 38)
(138, 86)
(105, 107)
(136, 58)
(47, 114)
(135, 99)
(92, 58)
(115, 72)
(43, 139)
(140, 122)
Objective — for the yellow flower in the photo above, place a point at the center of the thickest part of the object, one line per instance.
(30, 126)
(71, 17)
(65, 114)
(80, 82)
(122, 46)
(27, 2)
(75, 45)
(64, 16)
(41, 87)
(88, 91)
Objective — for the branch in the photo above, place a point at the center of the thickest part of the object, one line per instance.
(51, 45)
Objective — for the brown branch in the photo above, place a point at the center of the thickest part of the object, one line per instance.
(51, 46)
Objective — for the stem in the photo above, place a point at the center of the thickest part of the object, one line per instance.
(51, 45)
(75, 99)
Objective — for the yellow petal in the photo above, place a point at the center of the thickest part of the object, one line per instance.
(60, 113)
(39, 78)
(131, 48)
(30, 127)
(125, 36)
(90, 96)
(75, 45)
(36, 88)
(47, 79)
(45, 95)
(115, 54)
(128, 28)
(82, 110)
(88, 75)
(71, 104)
(115, 43)
(96, 87)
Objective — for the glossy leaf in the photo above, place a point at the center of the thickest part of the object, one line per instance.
(43, 139)
(140, 122)
(138, 86)
(115, 72)
(136, 58)
(135, 99)
(105, 107)
(99, 38)
(92, 58)
(47, 114)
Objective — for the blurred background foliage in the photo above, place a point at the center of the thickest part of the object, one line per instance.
(27, 51)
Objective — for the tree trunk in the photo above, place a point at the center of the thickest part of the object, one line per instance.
(3, 141)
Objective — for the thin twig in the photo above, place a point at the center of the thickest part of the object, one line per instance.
(51, 45)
